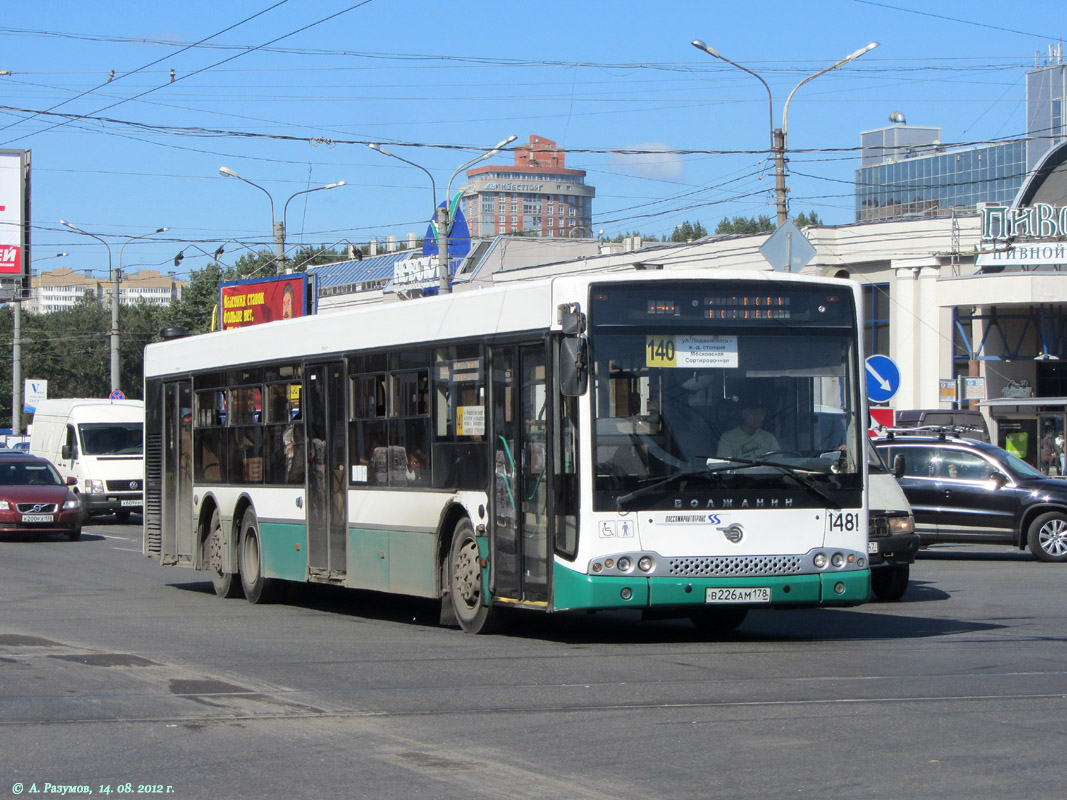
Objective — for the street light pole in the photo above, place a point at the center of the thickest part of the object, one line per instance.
(277, 228)
(114, 299)
(116, 280)
(16, 351)
(442, 213)
(280, 232)
(279, 240)
(780, 136)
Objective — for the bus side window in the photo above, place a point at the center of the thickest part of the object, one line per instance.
(208, 438)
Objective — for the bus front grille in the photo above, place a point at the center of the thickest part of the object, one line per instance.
(735, 566)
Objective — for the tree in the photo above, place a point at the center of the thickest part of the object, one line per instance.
(745, 225)
(139, 324)
(687, 232)
(803, 220)
(645, 237)
(194, 310)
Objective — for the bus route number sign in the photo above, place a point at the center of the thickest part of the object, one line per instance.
(690, 352)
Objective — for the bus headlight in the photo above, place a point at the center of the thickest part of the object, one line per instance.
(838, 560)
(646, 564)
(94, 486)
(820, 560)
(625, 564)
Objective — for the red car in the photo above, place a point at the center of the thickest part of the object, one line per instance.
(35, 499)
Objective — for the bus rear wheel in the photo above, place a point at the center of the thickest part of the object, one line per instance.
(257, 588)
(226, 584)
(718, 620)
(466, 588)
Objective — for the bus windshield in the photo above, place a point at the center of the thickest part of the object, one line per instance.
(111, 438)
(722, 407)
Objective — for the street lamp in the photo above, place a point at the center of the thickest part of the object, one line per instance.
(442, 212)
(116, 278)
(213, 256)
(779, 136)
(16, 350)
(278, 229)
(285, 209)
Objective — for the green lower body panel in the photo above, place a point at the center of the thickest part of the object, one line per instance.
(397, 561)
(284, 550)
(575, 590)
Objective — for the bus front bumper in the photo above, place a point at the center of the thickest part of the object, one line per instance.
(574, 590)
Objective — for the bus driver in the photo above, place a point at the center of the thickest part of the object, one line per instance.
(748, 440)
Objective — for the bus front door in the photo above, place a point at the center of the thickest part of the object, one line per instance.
(323, 408)
(520, 479)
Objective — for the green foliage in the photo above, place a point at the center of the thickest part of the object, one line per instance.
(745, 225)
(645, 237)
(803, 220)
(687, 232)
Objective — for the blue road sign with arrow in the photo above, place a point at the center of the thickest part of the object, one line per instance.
(883, 378)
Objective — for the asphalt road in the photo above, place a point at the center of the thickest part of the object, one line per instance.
(116, 672)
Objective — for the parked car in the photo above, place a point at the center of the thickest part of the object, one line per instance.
(21, 446)
(962, 490)
(893, 542)
(35, 499)
(968, 423)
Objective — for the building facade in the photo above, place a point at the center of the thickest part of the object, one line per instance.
(62, 288)
(906, 172)
(536, 196)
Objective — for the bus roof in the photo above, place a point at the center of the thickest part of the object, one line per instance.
(521, 306)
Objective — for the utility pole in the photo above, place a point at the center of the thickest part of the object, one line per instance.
(779, 177)
(279, 244)
(779, 136)
(16, 361)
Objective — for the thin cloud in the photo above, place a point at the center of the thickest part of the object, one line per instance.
(650, 164)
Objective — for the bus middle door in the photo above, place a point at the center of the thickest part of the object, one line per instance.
(323, 408)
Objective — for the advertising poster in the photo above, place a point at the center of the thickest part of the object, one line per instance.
(253, 302)
(13, 211)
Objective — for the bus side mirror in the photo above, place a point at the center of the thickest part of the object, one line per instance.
(573, 370)
(899, 467)
(67, 451)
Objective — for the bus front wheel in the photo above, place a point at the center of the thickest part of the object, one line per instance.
(257, 588)
(226, 584)
(466, 588)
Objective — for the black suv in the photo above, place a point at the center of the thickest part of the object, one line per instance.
(962, 490)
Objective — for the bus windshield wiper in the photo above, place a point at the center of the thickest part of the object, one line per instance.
(678, 476)
(801, 477)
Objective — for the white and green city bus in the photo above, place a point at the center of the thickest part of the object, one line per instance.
(546, 445)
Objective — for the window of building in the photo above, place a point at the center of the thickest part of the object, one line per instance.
(876, 319)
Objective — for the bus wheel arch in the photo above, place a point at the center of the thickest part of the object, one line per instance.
(467, 590)
(214, 540)
(257, 587)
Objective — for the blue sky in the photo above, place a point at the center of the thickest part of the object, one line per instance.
(288, 93)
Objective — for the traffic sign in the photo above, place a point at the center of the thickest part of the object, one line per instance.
(117, 395)
(883, 378)
(787, 249)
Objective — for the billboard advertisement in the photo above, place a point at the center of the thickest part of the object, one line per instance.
(253, 302)
(14, 214)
